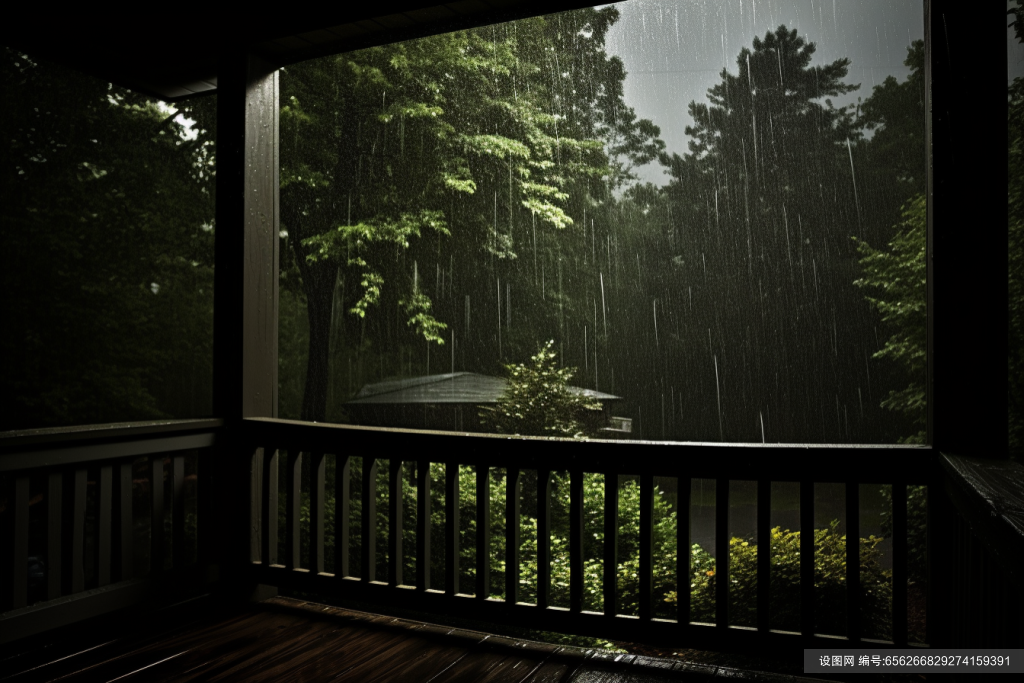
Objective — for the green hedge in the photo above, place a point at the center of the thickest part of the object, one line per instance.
(784, 603)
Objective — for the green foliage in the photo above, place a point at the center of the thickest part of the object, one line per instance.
(109, 208)
(452, 153)
(917, 526)
(898, 276)
(537, 400)
(894, 113)
(784, 602)
(829, 572)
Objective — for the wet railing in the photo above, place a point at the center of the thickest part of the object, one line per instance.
(980, 554)
(295, 530)
(99, 518)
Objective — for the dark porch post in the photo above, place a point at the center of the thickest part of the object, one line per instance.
(245, 297)
(967, 267)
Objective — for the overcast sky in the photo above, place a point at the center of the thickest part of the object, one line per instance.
(674, 50)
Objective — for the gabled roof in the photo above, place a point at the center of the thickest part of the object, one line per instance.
(457, 387)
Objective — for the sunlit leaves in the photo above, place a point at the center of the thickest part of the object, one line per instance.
(496, 146)
(548, 212)
(417, 311)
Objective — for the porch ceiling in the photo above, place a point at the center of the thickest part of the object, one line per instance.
(172, 52)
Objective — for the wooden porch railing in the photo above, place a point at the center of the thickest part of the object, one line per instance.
(982, 566)
(55, 481)
(269, 440)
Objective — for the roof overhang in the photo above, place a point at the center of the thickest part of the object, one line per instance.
(176, 57)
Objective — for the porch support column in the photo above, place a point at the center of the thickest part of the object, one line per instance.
(245, 294)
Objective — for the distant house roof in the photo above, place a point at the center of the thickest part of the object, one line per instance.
(457, 387)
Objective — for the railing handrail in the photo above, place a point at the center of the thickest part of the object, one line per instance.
(66, 467)
(50, 447)
(862, 464)
(77, 433)
(989, 496)
(277, 444)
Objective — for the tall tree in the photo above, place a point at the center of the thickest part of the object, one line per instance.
(763, 206)
(109, 211)
(898, 278)
(892, 155)
(487, 136)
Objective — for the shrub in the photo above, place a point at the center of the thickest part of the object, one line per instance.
(917, 525)
(784, 603)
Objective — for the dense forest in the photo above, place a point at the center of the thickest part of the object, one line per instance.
(107, 226)
(454, 202)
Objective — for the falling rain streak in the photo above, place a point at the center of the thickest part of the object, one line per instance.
(729, 172)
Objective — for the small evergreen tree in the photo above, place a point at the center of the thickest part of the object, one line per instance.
(538, 401)
(899, 276)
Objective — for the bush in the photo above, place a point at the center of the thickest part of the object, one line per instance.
(829, 566)
(784, 603)
(917, 525)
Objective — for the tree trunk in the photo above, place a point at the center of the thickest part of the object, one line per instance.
(318, 283)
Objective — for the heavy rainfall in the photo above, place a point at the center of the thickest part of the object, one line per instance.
(713, 210)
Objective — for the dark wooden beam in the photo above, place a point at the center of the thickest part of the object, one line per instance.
(245, 290)
(967, 212)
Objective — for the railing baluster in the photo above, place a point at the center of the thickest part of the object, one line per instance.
(54, 495)
(268, 512)
(293, 513)
(646, 546)
(369, 568)
(156, 521)
(342, 501)
(764, 552)
(576, 541)
(126, 519)
(646, 577)
(543, 538)
(513, 494)
(395, 511)
(899, 564)
(178, 510)
(423, 525)
(611, 542)
(103, 545)
(19, 556)
(807, 558)
(206, 502)
(685, 488)
(722, 555)
(483, 532)
(451, 528)
(853, 621)
(317, 476)
(76, 511)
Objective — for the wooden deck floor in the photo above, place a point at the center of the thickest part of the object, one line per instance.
(285, 640)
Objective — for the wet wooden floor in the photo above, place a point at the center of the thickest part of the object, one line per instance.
(285, 640)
